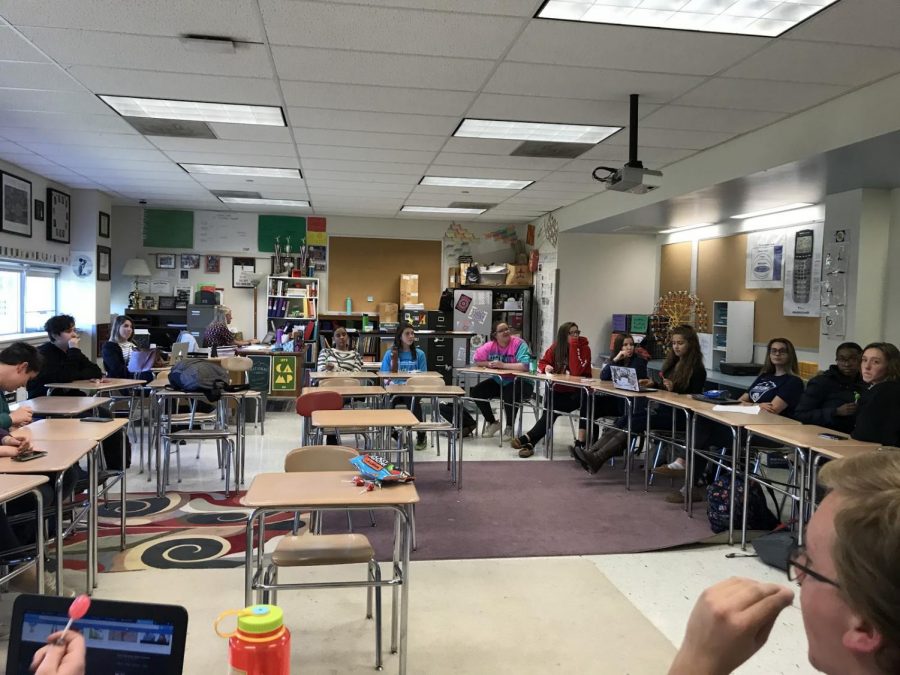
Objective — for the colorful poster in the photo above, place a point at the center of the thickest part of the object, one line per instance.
(284, 373)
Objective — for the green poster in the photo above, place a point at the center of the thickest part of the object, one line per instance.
(259, 373)
(284, 373)
(639, 323)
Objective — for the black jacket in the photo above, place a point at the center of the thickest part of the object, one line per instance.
(61, 366)
(824, 394)
(878, 415)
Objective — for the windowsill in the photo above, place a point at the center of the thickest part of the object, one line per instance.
(31, 338)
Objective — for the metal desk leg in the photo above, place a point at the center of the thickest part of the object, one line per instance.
(629, 411)
(39, 537)
(688, 457)
(123, 500)
(800, 462)
(59, 531)
(735, 450)
(404, 590)
(648, 460)
(746, 499)
(551, 406)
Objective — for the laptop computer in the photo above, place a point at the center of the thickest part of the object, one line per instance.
(125, 638)
(179, 352)
(627, 379)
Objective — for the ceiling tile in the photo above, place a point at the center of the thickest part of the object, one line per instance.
(481, 146)
(58, 121)
(709, 119)
(769, 95)
(364, 154)
(672, 138)
(619, 153)
(396, 192)
(251, 132)
(546, 109)
(198, 157)
(65, 152)
(238, 148)
(861, 22)
(794, 61)
(355, 120)
(375, 99)
(466, 172)
(361, 176)
(382, 29)
(70, 102)
(626, 48)
(24, 75)
(13, 47)
(523, 8)
(497, 162)
(363, 139)
(370, 68)
(365, 167)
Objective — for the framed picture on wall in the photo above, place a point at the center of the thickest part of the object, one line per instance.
(59, 216)
(104, 225)
(39, 210)
(15, 205)
(212, 264)
(104, 263)
(242, 272)
(190, 261)
(165, 261)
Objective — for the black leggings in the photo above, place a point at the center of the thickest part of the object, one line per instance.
(563, 402)
(407, 402)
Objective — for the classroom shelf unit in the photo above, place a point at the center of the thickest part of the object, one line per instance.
(292, 299)
(732, 332)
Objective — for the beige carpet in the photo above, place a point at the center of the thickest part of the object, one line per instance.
(498, 617)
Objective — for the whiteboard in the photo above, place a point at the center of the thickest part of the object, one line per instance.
(225, 231)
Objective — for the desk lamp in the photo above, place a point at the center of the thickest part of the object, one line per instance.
(135, 267)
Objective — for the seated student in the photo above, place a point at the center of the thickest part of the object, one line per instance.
(118, 349)
(404, 357)
(849, 586)
(63, 361)
(504, 351)
(878, 412)
(218, 334)
(682, 373)
(830, 397)
(339, 356)
(776, 390)
(569, 354)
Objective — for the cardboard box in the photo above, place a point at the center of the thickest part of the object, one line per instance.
(387, 312)
(518, 275)
(409, 289)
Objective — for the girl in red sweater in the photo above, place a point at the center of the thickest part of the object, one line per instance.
(568, 355)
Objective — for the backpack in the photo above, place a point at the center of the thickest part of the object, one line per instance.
(759, 517)
(473, 274)
(206, 377)
(445, 304)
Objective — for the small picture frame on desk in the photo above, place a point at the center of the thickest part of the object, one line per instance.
(166, 302)
(149, 302)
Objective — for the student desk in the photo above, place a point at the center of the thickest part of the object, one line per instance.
(361, 391)
(684, 404)
(583, 384)
(61, 455)
(605, 388)
(406, 374)
(735, 421)
(383, 420)
(480, 372)
(315, 377)
(61, 406)
(14, 486)
(332, 490)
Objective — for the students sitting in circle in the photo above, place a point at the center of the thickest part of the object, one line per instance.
(878, 412)
(405, 357)
(830, 397)
(849, 586)
(569, 354)
(118, 349)
(218, 334)
(339, 357)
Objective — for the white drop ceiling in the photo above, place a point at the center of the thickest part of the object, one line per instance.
(372, 91)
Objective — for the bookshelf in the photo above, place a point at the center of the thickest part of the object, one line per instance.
(732, 332)
(295, 300)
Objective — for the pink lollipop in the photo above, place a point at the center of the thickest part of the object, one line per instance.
(77, 610)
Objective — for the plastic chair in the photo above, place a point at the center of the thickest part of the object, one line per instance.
(311, 401)
(311, 548)
(333, 382)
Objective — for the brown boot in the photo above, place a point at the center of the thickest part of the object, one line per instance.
(612, 444)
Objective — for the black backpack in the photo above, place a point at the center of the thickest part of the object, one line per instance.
(445, 304)
(205, 377)
(759, 516)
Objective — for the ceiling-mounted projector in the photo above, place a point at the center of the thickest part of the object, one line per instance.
(633, 177)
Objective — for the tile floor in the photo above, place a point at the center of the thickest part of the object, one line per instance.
(661, 587)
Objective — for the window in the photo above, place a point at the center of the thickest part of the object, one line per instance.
(27, 297)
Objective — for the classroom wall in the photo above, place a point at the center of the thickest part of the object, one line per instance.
(892, 288)
(602, 275)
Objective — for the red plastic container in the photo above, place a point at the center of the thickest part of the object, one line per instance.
(261, 645)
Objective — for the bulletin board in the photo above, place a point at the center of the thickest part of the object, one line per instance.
(675, 267)
(168, 229)
(720, 276)
(359, 267)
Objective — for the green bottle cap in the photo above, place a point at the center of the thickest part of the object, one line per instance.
(261, 619)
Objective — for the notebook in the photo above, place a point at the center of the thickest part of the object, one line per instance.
(627, 379)
(125, 638)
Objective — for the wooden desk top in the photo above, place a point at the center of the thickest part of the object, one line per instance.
(61, 455)
(348, 390)
(807, 436)
(340, 419)
(12, 486)
(424, 390)
(327, 374)
(107, 384)
(61, 405)
(736, 419)
(322, 489)
(69, 430)
(607, 388)
(683, 401)
(405, 375)
(850, 449)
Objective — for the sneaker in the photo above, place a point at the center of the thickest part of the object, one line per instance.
(508, 434)
(526, 451)
(673, 470)
(519, 442)
(421, 443)
(491, 429)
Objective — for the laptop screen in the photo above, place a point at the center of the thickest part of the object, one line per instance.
(125, 642)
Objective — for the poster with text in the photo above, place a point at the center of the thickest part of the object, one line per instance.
(803, 270)
(765, 257)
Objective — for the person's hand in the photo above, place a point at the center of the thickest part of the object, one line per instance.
(846, 410)
(20, 444)
(645, 382)
(254, 341)
(668, 384)
(73, 343)
(495, 364)
(769, 407)
(329, 365)
(621, 356)
(548, 370)
(65, 659)
(21, 416)
(728, 625)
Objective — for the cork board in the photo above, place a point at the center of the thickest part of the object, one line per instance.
(675, 267)
(360, 267)
(720, 276)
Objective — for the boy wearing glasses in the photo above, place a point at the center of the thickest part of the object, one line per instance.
(849, 586)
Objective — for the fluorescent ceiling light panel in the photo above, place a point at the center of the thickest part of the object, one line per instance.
(534, 131)
(230, 113)
(777, 209)
(494, 183)
(784, 219)
(227, 170)
(767, 18)
(440, 209)
(265, 202)
(685, 228)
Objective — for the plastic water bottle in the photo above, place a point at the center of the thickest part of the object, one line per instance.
(532, 366)
(349, 305)
(261, 645)
(365, 323)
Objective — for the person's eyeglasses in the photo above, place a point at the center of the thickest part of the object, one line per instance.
(798, 571)
(778, 350)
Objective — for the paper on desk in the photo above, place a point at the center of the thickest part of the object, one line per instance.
(745, 409)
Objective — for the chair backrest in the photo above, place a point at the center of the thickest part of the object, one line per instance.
(311, 401)
(595, 372)
(320, 458)
(426, 381)
(332, 382)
